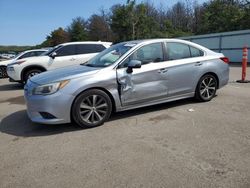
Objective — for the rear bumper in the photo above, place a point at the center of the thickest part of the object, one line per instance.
(224, 78)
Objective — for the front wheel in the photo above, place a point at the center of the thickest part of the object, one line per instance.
(30, 73)
(91, 108)
(206, 88)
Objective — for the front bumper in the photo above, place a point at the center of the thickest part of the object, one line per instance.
(14, 74)
(58, 105)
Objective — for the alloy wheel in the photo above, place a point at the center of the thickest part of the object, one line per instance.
(93, 109)
(208, 87)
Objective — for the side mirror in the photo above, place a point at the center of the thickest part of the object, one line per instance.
(133, 64)
(53, 55)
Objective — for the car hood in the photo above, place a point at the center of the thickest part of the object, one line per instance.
(44, 58)
(65, 73)
(5, 62)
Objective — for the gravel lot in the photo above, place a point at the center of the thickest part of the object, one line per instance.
(178, 144)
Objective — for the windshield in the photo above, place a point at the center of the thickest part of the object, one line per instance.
(110, 55)
(18, 55)
(51, 50)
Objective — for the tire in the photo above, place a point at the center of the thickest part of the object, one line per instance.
(30, 73)
(206, 88)
(91, 108)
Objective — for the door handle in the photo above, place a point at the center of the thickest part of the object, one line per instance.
(72, 59)
(198, 63)
(164, 70)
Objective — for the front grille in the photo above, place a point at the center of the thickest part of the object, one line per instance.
(3, 72)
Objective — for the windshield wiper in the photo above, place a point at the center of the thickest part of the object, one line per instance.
(88, 65)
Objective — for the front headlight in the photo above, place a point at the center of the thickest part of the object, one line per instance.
(49, 89)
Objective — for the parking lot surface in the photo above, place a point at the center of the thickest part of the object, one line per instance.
(177, 144)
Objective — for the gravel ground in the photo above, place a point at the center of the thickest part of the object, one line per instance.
(177, 144)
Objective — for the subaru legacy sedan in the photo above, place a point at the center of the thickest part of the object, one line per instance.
(125, 76)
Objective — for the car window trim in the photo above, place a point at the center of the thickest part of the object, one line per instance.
(124, 59)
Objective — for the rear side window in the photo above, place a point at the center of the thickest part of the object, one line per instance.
(177, 51)
(99, 48)
(196, 52)
(89, 48)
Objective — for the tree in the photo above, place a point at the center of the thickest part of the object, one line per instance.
(120, 24)
(220, 16)
(180, 17)
(78, 30)
(56, 37)
(131, 20)
(99, 28)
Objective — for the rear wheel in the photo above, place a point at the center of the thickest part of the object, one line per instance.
(30, 73)
(206, 88)
(91, 108)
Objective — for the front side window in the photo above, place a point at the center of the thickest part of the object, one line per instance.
(28, 54)
(146, 54)
(38, 53)
(56, 48)
(99, 47)
(66, 50)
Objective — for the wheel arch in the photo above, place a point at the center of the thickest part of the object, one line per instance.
(215, 75)
(98, 88)
(30, 68)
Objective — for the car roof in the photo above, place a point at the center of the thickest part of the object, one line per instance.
(145, 41)
(86, 42)
(34, 50)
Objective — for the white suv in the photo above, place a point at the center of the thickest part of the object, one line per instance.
(25, 54)
(66, 54)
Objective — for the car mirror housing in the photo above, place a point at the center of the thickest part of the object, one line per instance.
(53, 55)
(133, 64)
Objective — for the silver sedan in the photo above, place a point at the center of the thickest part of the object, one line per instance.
(125, 76)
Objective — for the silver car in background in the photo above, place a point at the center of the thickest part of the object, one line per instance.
(125, 76)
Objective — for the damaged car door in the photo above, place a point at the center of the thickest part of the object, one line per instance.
(142, 76)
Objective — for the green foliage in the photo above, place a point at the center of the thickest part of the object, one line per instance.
(56, 37)
(99, 28)
(120, 24)
(16, 49)
(78, 29)
(219, 16)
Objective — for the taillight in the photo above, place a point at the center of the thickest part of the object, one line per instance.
(225, 59)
